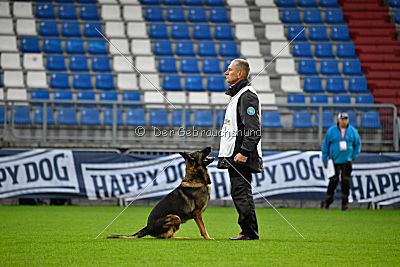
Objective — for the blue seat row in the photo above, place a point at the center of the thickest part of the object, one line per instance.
(78, 63)
(186, 48)
(70, 1)
(185, 2)
(172, 82)
(394, 3)
(330, 67)
(318, 33)
(312, 15)
(361, 99)
(195, 14)
(82, 80)
(324, 49)
(357, 84)
(189, 65)
(307, 3)
(54, 45)
(69, 28)
(66, 11)
(200, 31)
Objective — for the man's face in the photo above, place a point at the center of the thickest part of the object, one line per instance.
(232, 74)
(343, 122)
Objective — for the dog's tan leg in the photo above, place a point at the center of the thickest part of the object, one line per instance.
(198, 218)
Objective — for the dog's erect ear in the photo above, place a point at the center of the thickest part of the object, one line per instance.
(186, 156)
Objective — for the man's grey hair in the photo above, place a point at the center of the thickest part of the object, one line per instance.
(242, 64)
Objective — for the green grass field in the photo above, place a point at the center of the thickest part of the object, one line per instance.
(42, 236)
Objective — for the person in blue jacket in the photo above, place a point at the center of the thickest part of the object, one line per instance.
(342, 144)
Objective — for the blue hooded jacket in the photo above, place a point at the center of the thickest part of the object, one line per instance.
(331, 149)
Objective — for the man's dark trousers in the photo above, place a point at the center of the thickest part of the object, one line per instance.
(243, 200)
(343, 170)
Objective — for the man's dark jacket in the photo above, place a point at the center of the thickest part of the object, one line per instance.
(249, 128)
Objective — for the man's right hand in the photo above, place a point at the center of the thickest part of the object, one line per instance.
(325, 165)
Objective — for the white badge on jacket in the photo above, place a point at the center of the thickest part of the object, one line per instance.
(343, 145)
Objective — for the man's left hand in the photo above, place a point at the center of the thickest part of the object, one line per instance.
(239, 158)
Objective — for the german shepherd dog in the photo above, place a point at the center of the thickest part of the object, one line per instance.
(187, 201)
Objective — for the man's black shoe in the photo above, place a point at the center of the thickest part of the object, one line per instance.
(242, 237)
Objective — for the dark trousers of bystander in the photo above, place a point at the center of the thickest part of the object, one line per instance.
(343, 171)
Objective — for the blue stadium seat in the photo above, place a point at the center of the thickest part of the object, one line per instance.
(302, 119)
(228, 49)
(86, 96)
(30, 44)
(184, 48)
(227, 62)
(335, 85)
(211, 65)
(154, 13)
(177, 120)
(307, 66)
(78, 63)
(216, 83)
(345, 50)
(59, 80)
(63, 95)
(307, 3)
(189, 65)
(206, 48)
(64, 1)
(202, 31)
(22, 115)
(90, 116)
(214, 2)
(302, 49)
(328, 119)
(294, 30)
(135, 117)
(334, 15)
(67, 116)
(96, 46)
(296, 99)
(39, 95)
(56, 62)
(67, 11)
(353, 119)
(364, 99)
(319, 99)
(86, 1)
(2, 114)
(131, 97)
(329, 67)
(220, 117)
(358, 85)
(176, 14)
(101, 63)
(203, 118)
(171, 2)
(197, 14)
(271, 119)
(70, 28)
(74, 46)
(370, 120)
(105, 81)
(52, 45)
(158, 30)
(397, 19)
(312, 15)
(313, 84)
(352, 67)
(340, 33)
(172, 82)
(108, 117)
(150, 2)
(394, 3)
(158, 117)
(223, 32)
(38, 116)
(324, 49)
(163, 47)
(82, 81)
(194, 83)
(219, 15)
(291, 15)
(45, 11)
(89, 29)
(108, 96)
(286, 3)
(193, 2)
(48, 28)
(318, 33)
(341, 99)
(328, 3)
(167, 64)
(180, 31)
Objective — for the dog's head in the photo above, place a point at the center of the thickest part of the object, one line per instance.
(196, 165)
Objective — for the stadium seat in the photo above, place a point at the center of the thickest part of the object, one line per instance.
(11, 61)
(101, 63)
(193, 2)
(141, 47)
(108, 96)
(223, 32)
(119, 46)
(48, 28)
(17, 94)
(219, 15)
(328, 119)
(319, 99)
(216, 83)
(302, 120)
(167, 64)
(78, 63)
(67, 11)
(172, 82)
(202, 31)
(176, 96)
(364, 99)
(341, 99)
(291, 84)
(13, 78)
(158, 117)
(211, 65)
(176, 14)
(203, 118)
(282, 66)
(206, 48)
(45, 11)
(335, 85)
(394, 3)
(189, 65)
(159, 30)
(105, 81)
(51, 45)
(307, 66)
(90, 116)
(269, 15)
(228, 49)
(87, 1)
(5, 10)
(33, 61)
(313, 84)
(67, 116)
(127, 81)
(150, 2)
(144, 83)
(345, 50)
(154, 13)
(82, 81)
(198, 14)
(291, 15)
(214, 2)
(145, 63)
(292, 32)
(328, 3)
(59, 80)
(133, 13)
(334, 15)
(177, 120)
(89, 12)
(111, 12)
(122, 64)
(329, 67)
(323, 50)
(286, 3)
(29, 44)
(194, 83)
(56, 62)
(352, 67)
(252, 49)
(63, 95)
(38, 116)
(302, 49)
(36, 79)
(184, 48)
(108, 117)
(307, 3)
(220, 117)
(271, 119)
(340, 33)
(296, 99)
(39, 95)
(70, 28)
(198, 98)
(74, 46)
(318, 33)
(219, 98)
(353, 119)
(85, 96)
(312, 15)
(130, 97)
(135, 117)
(163, 47)
(21, 115)
(22, 10)
(136, 30)
(370, 120)
(180, 31)
(26, 27)
(115, 29)
(397, 18)
(90, 29)
(358, 85)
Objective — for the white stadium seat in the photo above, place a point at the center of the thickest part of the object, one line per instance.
(111, 12)
(269, 15)
(127, 81)
(291, 84)
(136, 30)
(13, 79)
(129, 2)
(121, 44)
(176, 97)
(141, 47)
(267, 99)
(121, 64)
(275, 32)
(261, 83)
(6, 26)
(219, 98)
(10, 61)
(26, 27)
(133, 13)
(5, 9)
(107, 1)
(115, 29)
(36, 79)
(281, 49)
(261, 3)
(198, 98)
(22, 10)
(256, 65)
(1, 94)
(245, 32)
(144, 83)
(33, 61)
(17, 94)
(145, 63)
(153, 97)
(240, 14)
(236, 2)
(8, 43)
(285, 66)
(250, 48)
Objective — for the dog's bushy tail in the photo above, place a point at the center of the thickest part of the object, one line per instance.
(141, 233)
